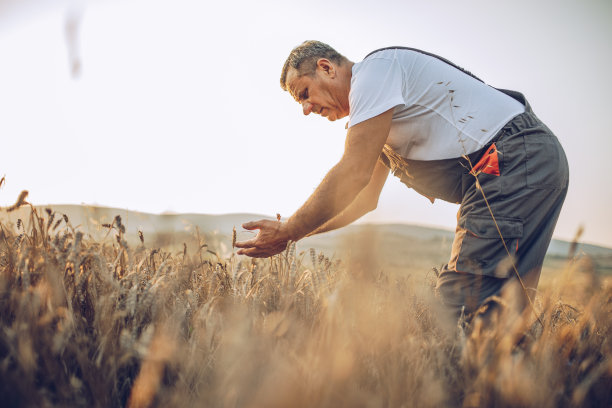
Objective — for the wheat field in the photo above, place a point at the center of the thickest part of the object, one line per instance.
(100, 323)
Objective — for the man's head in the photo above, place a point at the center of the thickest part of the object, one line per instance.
(319, 78)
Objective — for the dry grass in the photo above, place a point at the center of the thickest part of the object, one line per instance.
(86, 323)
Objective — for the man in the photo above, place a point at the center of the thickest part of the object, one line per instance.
(447, 135)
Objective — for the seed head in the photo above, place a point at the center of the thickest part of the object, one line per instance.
(21, 200)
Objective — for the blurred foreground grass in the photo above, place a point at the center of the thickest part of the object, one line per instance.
(88, 322)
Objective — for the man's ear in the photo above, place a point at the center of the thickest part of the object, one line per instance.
(327, 67)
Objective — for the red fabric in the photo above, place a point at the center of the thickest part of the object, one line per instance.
(488, 163)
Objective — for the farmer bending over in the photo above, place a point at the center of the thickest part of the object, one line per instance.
(447, 135)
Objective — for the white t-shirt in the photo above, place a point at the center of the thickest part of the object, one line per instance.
(440, 112)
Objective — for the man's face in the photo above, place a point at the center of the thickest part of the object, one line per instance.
(322, 93)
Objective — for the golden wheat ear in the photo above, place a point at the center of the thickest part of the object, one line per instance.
(21, 200)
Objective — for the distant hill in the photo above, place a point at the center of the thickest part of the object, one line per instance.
(90, 219)
(399, 245)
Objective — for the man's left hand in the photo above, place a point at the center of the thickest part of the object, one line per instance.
(272, 238)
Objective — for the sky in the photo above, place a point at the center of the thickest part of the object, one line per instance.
(175, 106)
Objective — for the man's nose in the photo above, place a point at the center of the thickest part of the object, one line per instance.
(307, 107)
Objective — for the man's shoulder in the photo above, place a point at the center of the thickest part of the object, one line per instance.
(409, 55)
(385, 59)
(394, 51)
(374, 65)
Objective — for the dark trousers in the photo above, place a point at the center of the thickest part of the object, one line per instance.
(506, 220)
(511, 193)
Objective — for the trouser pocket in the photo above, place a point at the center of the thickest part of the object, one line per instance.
(486, 246)
(546, 163)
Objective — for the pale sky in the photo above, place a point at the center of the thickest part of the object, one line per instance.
(178, 107)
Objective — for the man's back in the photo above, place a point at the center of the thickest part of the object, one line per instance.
(440, 112)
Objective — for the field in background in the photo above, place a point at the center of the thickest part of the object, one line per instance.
(100, 315)
(400, 248)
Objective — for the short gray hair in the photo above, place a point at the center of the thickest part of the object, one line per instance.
(304, 59)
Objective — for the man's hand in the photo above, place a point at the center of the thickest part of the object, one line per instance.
(272, 238)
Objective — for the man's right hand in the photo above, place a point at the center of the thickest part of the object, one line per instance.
(272, 238)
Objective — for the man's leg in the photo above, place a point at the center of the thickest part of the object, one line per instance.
(465, 292)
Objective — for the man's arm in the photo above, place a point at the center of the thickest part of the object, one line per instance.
(339, 188)
(366, 201)
(342, 184)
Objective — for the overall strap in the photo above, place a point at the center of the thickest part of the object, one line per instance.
(431, 55)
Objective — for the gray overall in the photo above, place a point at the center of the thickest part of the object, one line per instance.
(522, 174)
